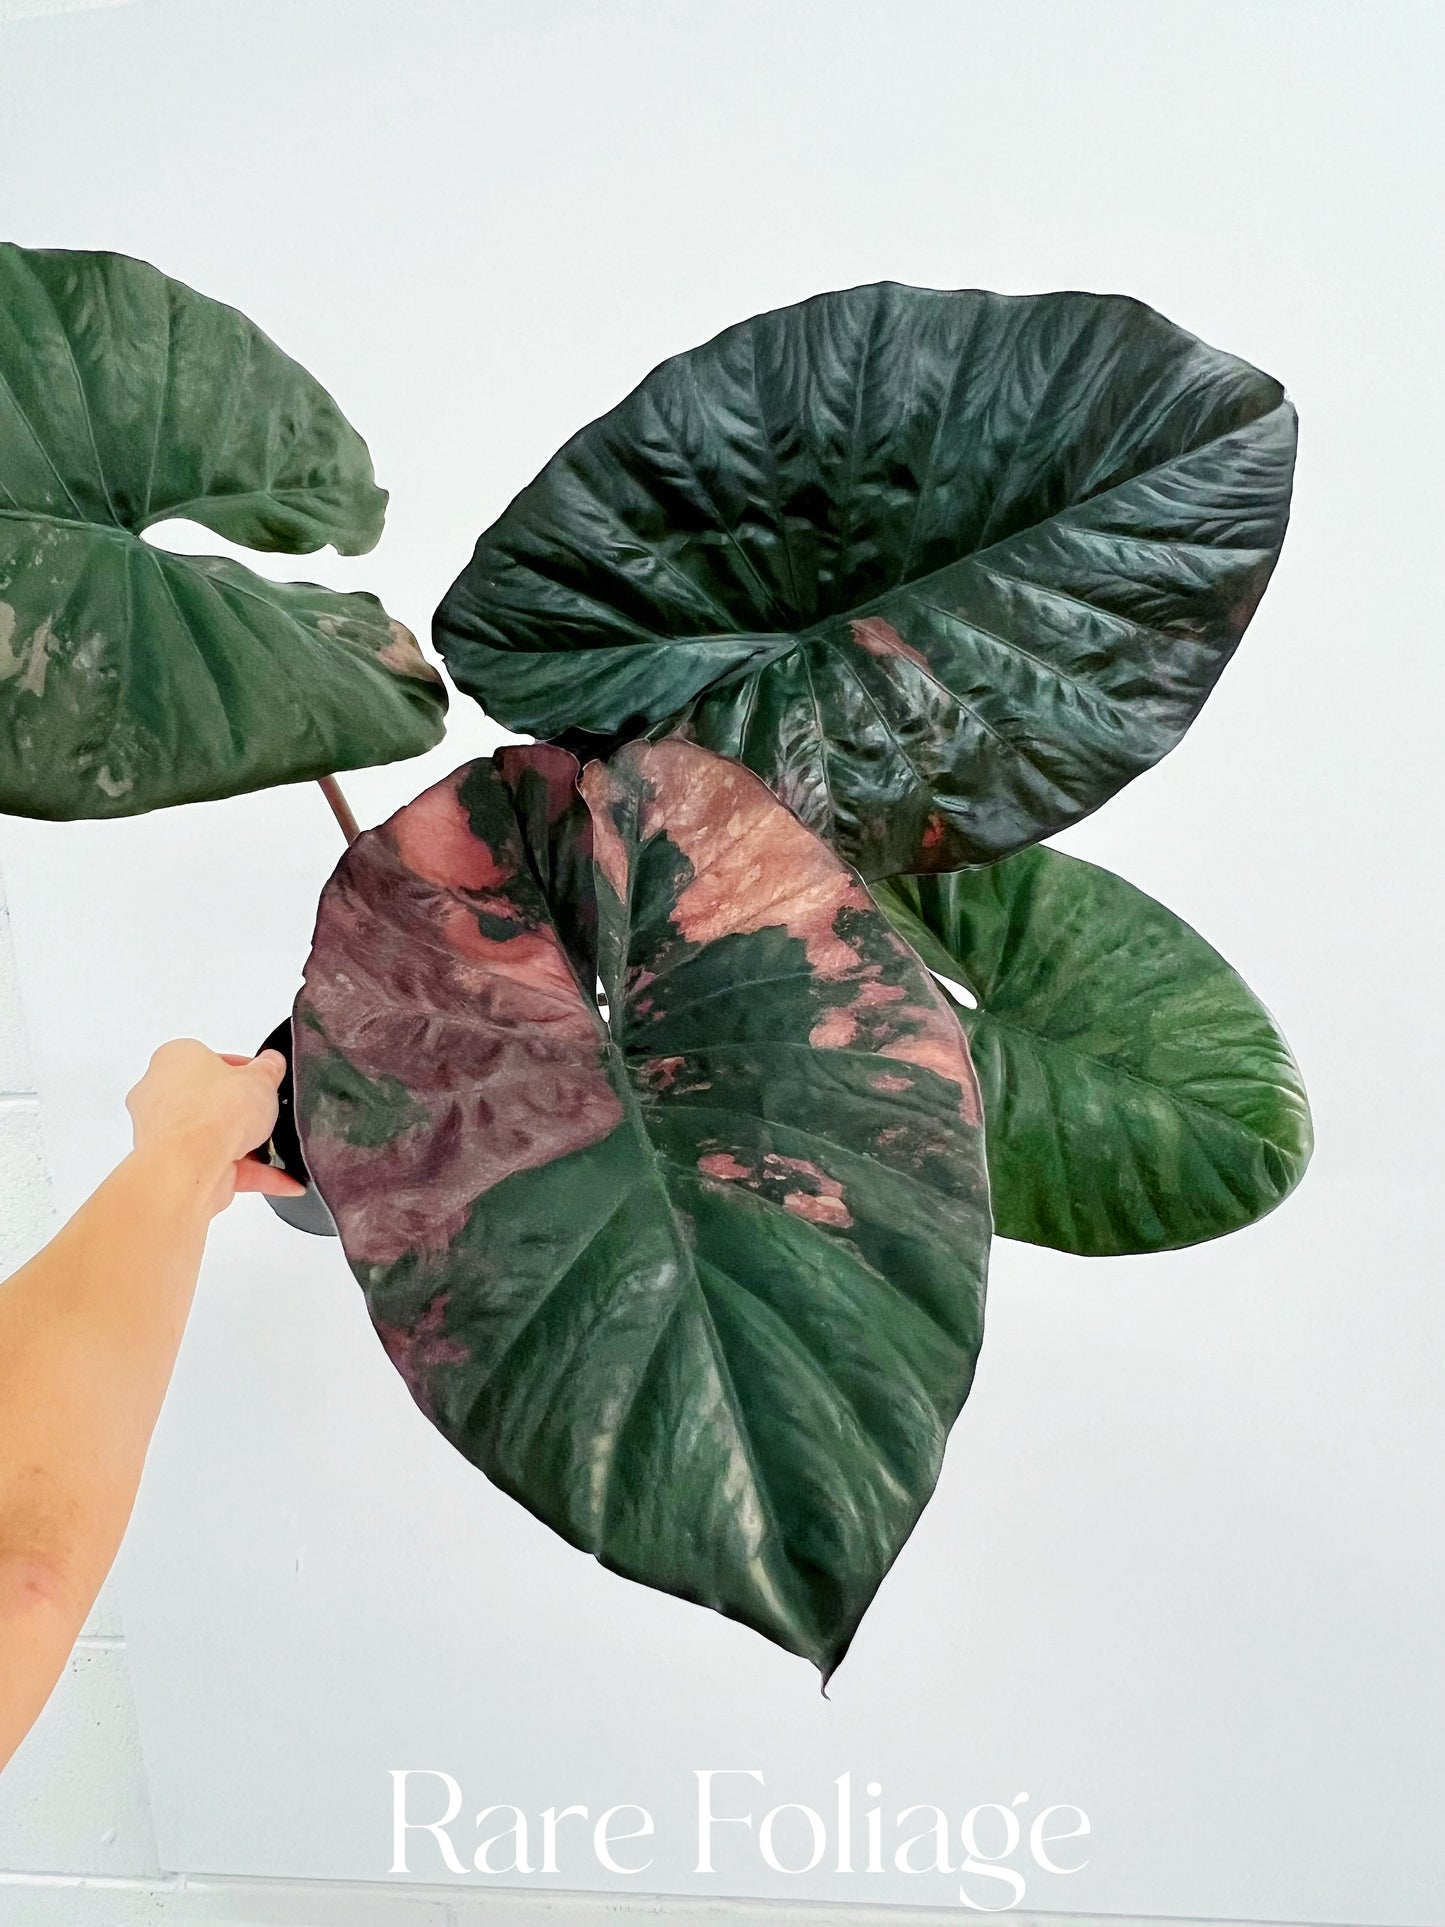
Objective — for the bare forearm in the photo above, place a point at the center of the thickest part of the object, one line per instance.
(89, 1331)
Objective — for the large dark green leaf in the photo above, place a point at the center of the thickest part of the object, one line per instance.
(945, 569)
(132, 678)
(1137, 1094)
(702, 1287)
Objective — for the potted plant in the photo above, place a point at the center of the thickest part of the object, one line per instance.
(667, 1077)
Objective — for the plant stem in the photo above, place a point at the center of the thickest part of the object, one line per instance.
(340, 808)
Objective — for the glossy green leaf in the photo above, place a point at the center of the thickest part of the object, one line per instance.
(700, 1284)
(132, 678)
(946, 570)
(1137, 1094)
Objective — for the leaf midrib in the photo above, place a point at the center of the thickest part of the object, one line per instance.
(782, 1574)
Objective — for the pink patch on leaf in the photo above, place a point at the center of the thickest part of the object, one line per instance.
(722, 1164)
(933, 1048)
(608, 848)
(818, 1209)
(871, 995)
(435, 841)
(880, 638)
(754, 865)
(836, 1031)
(403, 656)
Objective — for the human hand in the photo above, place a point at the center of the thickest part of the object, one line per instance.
(206, 1110)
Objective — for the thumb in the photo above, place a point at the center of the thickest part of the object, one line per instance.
(271, 1064)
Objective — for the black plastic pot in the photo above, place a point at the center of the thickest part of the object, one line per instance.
(282, 1150)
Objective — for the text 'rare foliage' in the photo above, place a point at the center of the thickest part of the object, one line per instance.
(700, 1282)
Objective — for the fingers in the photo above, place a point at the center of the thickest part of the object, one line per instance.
(263, 1077)
(271, 1061)
(188, 1050)
(208, 1106)
(252, 1175)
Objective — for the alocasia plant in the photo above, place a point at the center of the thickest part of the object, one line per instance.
(649, 1129)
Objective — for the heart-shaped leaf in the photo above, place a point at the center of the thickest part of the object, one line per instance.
(132, 678)
(946, 570)
(1137, 1094)
(702, 1284)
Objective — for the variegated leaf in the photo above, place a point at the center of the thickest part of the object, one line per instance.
(700, 1282)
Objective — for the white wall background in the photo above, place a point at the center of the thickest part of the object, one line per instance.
(1185, 1566)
